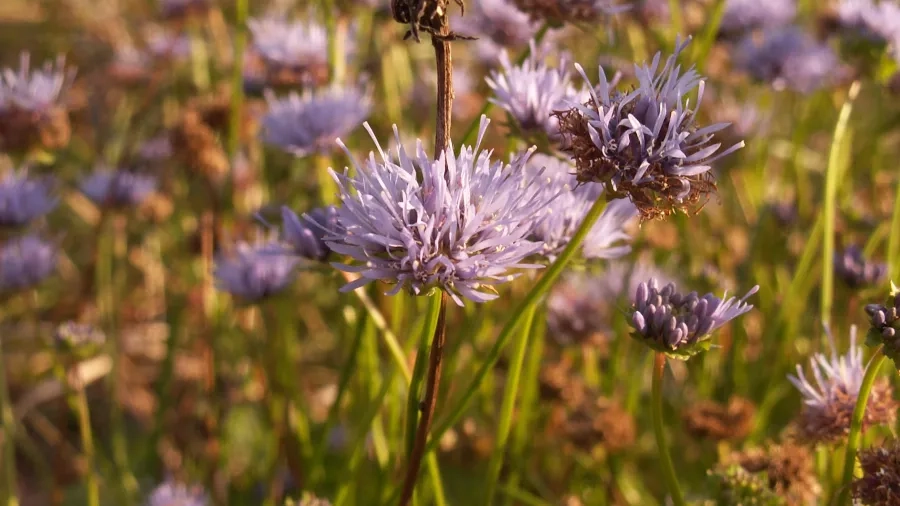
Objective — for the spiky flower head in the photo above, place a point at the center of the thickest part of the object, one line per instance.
(118, 189)
(788, 58)
(828, 402)
(569, 204)
(25, 262)
(253, 272)
(855, 270)
(580, 307)
(459, 223)
(880, 482)
(32, 105)
(23, 199)
(744, 15)
(309, 123)
(532, 91)
(171, 493)
(680, 325)
(295, 52)
(885, 325)
(645, 144)
(306, 233)
(559, 12)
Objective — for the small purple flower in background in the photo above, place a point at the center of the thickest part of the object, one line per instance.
(854, 270)
(558, 12)
(680, 325)
(255, 272)
(181, 8)
(497, 24)
(459, 223)
(310, 123)
(789, 58)
(744, 15)
(166, 45)
(23, 199)
(170, 493)
(293, 51)
(829, 402)
(569, 203)
(306, 234)
(532, 91)
(870, 20)
(25, 262)
(108, 188)
(645, 144)
(33, 109)
(581, 307)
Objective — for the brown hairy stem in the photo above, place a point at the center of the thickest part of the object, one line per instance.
(435, 362)
(444, 62)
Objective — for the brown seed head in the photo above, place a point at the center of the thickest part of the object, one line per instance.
(830, 423)
(711, 420)
(787, 468)
(880, 482)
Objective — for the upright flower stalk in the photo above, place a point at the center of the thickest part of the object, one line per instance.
(856, 423)
(9, 437)
(659, 431)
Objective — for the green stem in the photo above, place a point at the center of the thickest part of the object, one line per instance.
(9, 435)
(894, 239)
(199, 57)
(79, 405)
(832, 178)
(327, 187)
(237, 77)
(856, 422)
(669, 476)
(537, 292)
(511, 391)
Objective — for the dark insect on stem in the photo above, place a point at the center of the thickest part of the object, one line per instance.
(426, 16)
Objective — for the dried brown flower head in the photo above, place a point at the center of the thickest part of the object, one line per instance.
(787, 468)
(880, 482)
(600, 422)
(197, 146)
(711, 420)
(559, 383)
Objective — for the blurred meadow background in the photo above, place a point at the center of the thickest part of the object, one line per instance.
(172, 324)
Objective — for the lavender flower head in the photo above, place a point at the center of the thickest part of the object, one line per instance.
(298, 50)
(828, 402)
(870, 20)
(255, 272)
(497, 24)
(23, 199)
(743, 15)
(569, 204)
(680, 325)
(306, 234)
(851, 267)
(25, 262)
(310, 123)
(789, 58)
(532, 91)
(645, 144)
(34, 90)
(170, 493)
(558, 12)
(885, 325)
(459, 223)
(108, 188)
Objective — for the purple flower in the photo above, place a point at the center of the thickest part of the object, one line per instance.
(532, 92)
(34, 90)
(680, 324)
(300, 46)
(876, 21)
(23, 199)
(107, 188)
(255, 272)
(829, 400)
(310, 123)
(170, 493)
(306, 234)
(743, 15)
(459, 223)
(788, 58)
(851, 267)
(25, 262)
(569, 203)
(645, 144)
(167, 45)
